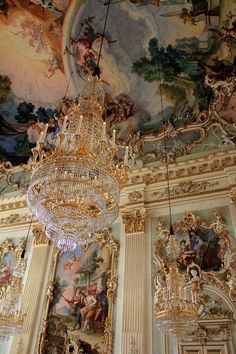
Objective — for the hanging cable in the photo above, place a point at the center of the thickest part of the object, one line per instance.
(68, 85)
(30, 224)
(165, 149)
(97, 70)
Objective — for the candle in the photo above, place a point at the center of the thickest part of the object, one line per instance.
(126, 156)
(185, 294)
(44, 133)
(113, 137)
(40, 139)
(192, 296)
(79, 125)
(104, 131)
(64, 125)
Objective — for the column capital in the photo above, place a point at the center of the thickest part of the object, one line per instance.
(39, 235)
(134, 220)
(232, 196)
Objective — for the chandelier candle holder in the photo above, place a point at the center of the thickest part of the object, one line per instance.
(75, 187)
(176, 306)
(11, 316)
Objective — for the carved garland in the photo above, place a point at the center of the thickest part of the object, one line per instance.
(104, 240)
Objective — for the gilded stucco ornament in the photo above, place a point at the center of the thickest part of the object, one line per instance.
(8, 246)
(14, 219)
(13, 205)
(13, 178)
(135, 196)
(215, 116)
(206, 254)
(223, 90)
(232, 196)
(134, 220)
(39, 235)
(185, 188)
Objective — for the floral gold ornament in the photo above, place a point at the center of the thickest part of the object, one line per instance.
(134, 220)
(204, 256)
(11, 315)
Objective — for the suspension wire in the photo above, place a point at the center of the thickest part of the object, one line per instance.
(68, 84)
(165, 148)
(97, 69)
(30, 224)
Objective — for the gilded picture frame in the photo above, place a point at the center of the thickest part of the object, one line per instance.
(72, 343)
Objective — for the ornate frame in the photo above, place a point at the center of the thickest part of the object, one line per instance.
(225, 278)
(104, 239)
(222, 90)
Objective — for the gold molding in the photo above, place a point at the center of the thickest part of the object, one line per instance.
(39, 235)
(184, 189)
(104, 239)
(134, 220)
(15, 219)
(226, 189)
(135, 196)
(225, 278)
(232, 196)
(197, 166)
(13, 205)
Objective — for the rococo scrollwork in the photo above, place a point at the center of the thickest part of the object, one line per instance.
(92, 281)
(195, 277)
(205, 254)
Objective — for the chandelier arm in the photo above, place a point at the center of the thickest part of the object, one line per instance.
(68, 85)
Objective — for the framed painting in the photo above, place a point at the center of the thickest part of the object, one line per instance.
(79, 300)
(9, 255)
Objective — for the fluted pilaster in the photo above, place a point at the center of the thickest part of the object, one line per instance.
(33, 290)
(134, 311)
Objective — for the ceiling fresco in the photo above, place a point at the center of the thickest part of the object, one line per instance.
(170, 61)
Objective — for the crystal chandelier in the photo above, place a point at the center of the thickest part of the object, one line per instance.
(175, 309)
(175, 304)
(11, 317)
(75, 188)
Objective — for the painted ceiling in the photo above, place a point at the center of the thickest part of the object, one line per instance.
(170, 61)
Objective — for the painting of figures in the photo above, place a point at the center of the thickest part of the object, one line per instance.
(79, 304)
(200, 246)
(9, 254)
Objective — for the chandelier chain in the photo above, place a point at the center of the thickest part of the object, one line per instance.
(103, 33)
(165, 146)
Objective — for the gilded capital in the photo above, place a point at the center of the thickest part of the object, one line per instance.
(39, 235)
(134, 220)
(232, 196)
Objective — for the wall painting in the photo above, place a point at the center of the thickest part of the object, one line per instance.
(80, 299)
